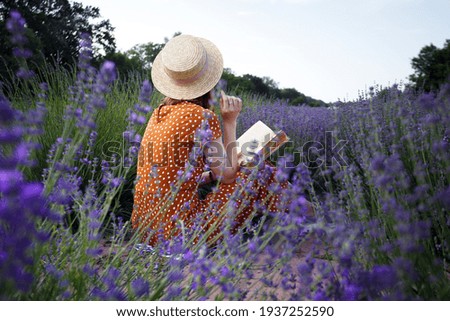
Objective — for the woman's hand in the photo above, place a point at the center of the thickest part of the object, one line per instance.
(230, 107)
(227, 165)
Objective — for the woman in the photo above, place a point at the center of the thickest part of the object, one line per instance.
(166, 199)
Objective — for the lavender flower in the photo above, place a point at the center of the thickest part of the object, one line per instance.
(140, 287)
(146, 92)
(110, 288)
(426, 100)
(379, 231)
(16, 26)
(22, 205)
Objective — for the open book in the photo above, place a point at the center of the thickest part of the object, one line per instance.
(259, 141)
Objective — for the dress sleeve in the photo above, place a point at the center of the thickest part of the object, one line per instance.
(214, 124)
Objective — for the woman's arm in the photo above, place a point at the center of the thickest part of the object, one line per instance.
(223, 155)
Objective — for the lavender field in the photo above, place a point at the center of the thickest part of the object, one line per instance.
(377, 171)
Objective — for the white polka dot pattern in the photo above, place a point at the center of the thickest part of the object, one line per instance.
(160, 199)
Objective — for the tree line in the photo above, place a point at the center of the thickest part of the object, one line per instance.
(432, 67)
(54, 28)
(140, 59)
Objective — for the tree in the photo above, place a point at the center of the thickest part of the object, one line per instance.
(237, 83)
(431, 67)
(145, 53)
(289, 93)
(260, 85)
(126, 65)
(56, 26)
(267, 87)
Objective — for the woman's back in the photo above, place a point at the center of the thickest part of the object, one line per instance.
(167, 142)
(164, 153)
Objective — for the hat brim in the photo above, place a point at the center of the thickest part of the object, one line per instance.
(196, 88)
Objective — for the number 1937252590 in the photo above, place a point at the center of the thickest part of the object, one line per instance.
(296, 311)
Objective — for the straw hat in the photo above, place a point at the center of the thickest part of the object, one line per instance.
(187, 67)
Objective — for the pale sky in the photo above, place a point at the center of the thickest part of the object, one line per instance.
(326, 49)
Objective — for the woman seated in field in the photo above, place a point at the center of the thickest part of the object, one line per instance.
(166, 199)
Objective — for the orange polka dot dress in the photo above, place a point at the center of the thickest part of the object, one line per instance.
(164, 197)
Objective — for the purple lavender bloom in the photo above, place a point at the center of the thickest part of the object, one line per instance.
(16, 26)
(174, 275)
(7, 114)
(225, 272)
(110, 288)
(21, 205)
(383, 277)
(351, 292)
(93, 252)
(65, 190)
(378, 163)
(22, 53)
(173, 292)
(426, 100)
(189, 256)
(135, 118)
(89, 270)
(107, 73)
(85, 54)
(320, 295)
(140, 287)
(146, 92)
(444, 197)
(24, 73)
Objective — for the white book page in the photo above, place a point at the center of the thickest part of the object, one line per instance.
(258, 134)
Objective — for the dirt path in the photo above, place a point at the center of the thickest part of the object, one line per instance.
(255, 287)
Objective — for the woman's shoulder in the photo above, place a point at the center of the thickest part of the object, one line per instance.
(191, 106)
(197, 110)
